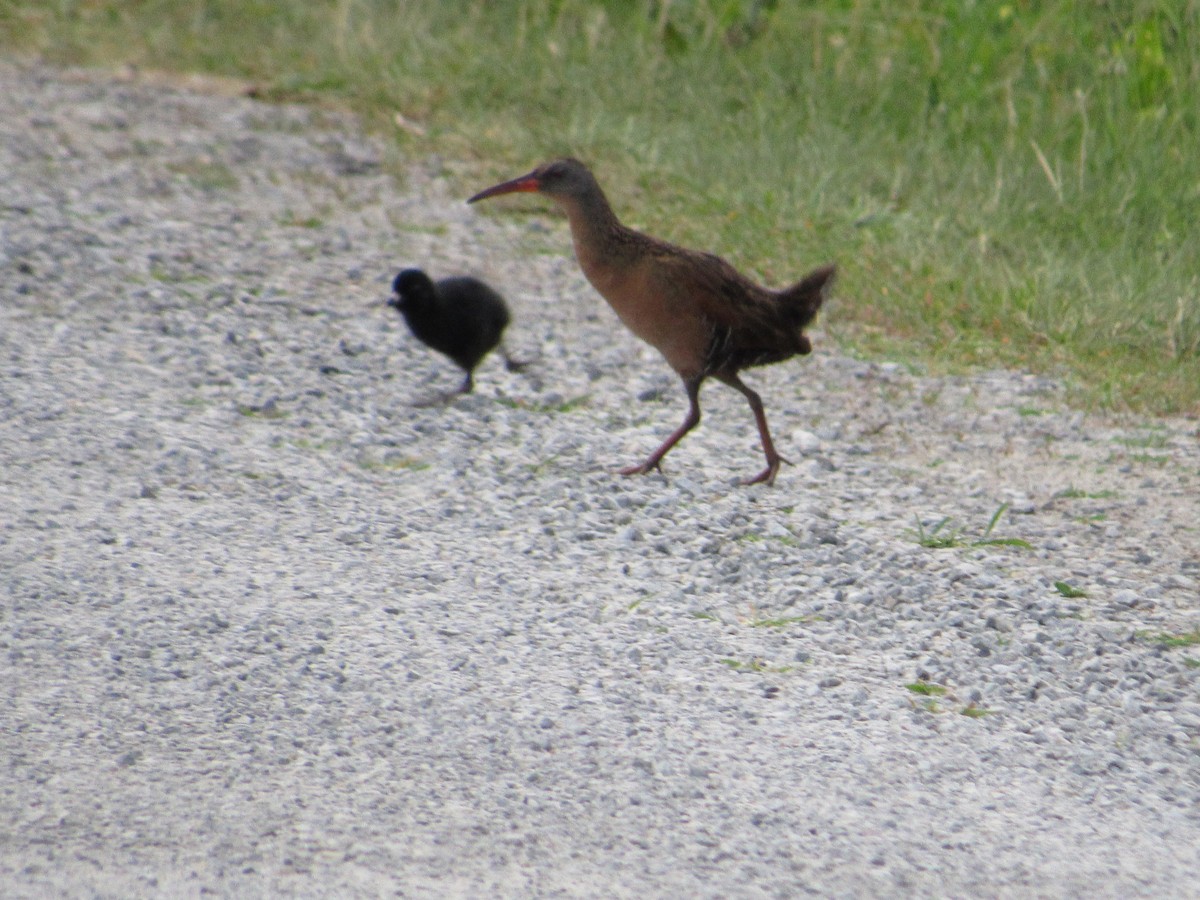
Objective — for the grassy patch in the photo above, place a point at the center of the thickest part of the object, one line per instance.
(931, 693)
(1066, 590)
(941, 536)
(926, 689)
(987, 538)
(1003, 184)
(754, 537)
(169, 275)
(291, 220)
(972, 711)
(1150, 439)
(1149, 459)
(754, 665)
(562, 406)
(268, 410)
(1074, 493)
(206, 175)
(1173, 641)
(945, 534)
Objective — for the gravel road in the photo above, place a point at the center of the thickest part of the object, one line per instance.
(270, 629)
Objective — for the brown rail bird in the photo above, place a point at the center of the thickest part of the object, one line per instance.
(461, 317)
(705, 317)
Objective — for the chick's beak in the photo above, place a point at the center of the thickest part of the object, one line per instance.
(524, 184)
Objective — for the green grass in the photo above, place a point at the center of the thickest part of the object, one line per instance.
(926, 689)
(1147, 439)
(945, 534)
(268, 410)
(941, 536)
(1002, 183)
(1074, 493)
(1066, 590)
(565, 406)
(1173, 641)
(972, 711)
(291, 220)
(213, 177)
(755, 665)
(1150, 459)
(753, 537)
(931, 692)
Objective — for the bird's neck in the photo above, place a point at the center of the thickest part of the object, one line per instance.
(602, 243)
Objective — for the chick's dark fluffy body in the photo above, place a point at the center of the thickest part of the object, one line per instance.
(461, 317)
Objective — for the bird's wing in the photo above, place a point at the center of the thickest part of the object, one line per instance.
(718, 291)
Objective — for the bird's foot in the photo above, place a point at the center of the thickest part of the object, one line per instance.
(642, 468)
(767, 475)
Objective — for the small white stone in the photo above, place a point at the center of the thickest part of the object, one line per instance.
(805, 442)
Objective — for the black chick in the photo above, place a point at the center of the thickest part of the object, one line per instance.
(461, 317)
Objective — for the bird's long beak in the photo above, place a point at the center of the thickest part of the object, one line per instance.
(524, 184)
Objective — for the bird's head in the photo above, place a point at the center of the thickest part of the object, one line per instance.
(559, 179)
(410, 288)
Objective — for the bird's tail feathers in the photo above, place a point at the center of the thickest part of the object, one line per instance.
(804, 298)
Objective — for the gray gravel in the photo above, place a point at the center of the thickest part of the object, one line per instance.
(270, 629)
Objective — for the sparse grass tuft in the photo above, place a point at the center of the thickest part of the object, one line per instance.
(754, 537)
(1173, 641)
(926, 688)
(268, 410)
(1148, 439)
(207, 175)
(987, 539)
(1066, 590)
(945, 535)
(1150, 459)
(972, 711)
(931, 692)
(936, 538)
(564, 406)
(291, 220)
(755, 665)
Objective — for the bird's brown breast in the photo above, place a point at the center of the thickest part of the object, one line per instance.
(648, 301)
